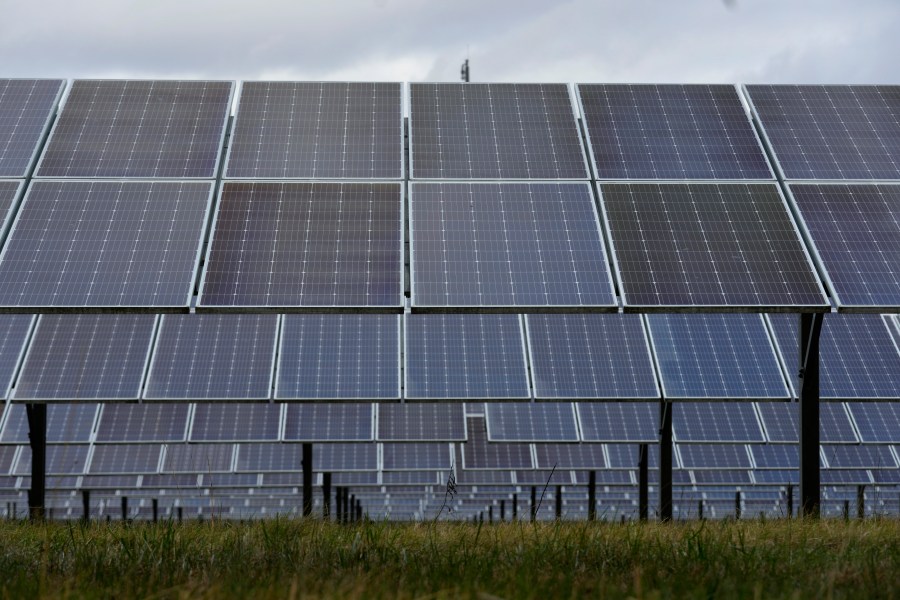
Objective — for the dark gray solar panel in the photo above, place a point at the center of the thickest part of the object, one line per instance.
(832, 131)
(415, 457)
(530, 422)
(7, 456)
(877, 422)
(66, 424)
(198, 458)
(421, 422)
(780, 419)
(590, 356)
(494, 131)
(86, 357)
(714, 456)
(329, 422)
(478, 454)
(570, 456)
(9, 195)
(619, 421)
(708, 245)
(120, 459)
(213, 357)
(153, 129)
(339, 357)
(855, 231)
(26, 106)
(236, 423)
(734, 422)
(67, 459)
(284, 245)
(131, 423)
(317, 130)
(776, 456)
(859, 457)
(627, 456)
(344, 457)
(670, 132)
(465, 357)
(14, 330)
(260, 458)
(507, 245)
(711, 356)
(105, 244)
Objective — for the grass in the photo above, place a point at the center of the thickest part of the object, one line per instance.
(296, 559)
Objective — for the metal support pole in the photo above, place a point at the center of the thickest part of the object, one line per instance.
(481, 517)
(790, 500)
(37, 439)
(643, 483)
(665, 461)
(592, 495)
(737, 506)
(86, 505)
(348, 507)
(533, 503)
(860, 502)
(326, 496)
(491, 513)
(339, 502)
(502, 511)
(359, 513)
(810, 494)
(180, 511)
(515, 507)
(352, 508)
(307, 480)
(155, 505)
(558, 502)
(124, 508)
(846, 510)
(700, 509)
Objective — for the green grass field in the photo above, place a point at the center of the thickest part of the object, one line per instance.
(297, 559)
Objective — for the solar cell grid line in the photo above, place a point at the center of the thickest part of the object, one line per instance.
(670, 132)
(570, 456)
(876, 422)
(494, 131)
(715, 357)
(511, 246)
(198, 458)
(531, 422)
(149, 129)
(317, 130)
(405, 456)
(75, 357)
(421, 422)
(838, 132)
(236, 422)
(66, 424)
(143, 423)
(26, 109)
(478, 454)
(124, 459)
(105, 244)
(329, 422)
(464, 357)
(855, 234)
(618, 421)
(587, 356)
(213, 357)
(734, 422)
(301, 245)
(714, 456)
(9, 197)
(14, 333)
(339, 357)
(711, 246)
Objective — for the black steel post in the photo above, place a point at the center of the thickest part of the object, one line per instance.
(737, 506)
(124, 508)
(348, 507)
(339, 503)
(790, 500)
(491, 513)
(359, 513)
(352, 508)
(558, 502)
(860, 502)
(86, 505)
(37, 439)
(307, 480)
(643, 483)
(592, 495)
(155, 505)
(502, 511)
(810, 494)
(515, 507)
(533, 503)
(665, 461)
(846, 510)
(326, 496)
(700, 509)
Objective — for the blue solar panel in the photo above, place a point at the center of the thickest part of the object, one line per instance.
(329, 422)
(507, 245)
(421, 422)
(859, 457)
(143, 423)
(590, 356)
(26, 107)
(478, 454)
(9, 197)
(877, 422)
(198, 458)
(780, 421)
(68, 459)
(213, 357)
(619, 421)
(14, 330)
(530, 422)
(464, 357)
(714, 456)
(66, 424)
(776, 456)
(627, 456)
(415, 457)
(834, 424)
(120, 459)
(716, 422)
(570, 456)
(236, 423)
(339, 357)
(705, 356)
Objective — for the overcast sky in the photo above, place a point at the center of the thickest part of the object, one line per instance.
(838, 41)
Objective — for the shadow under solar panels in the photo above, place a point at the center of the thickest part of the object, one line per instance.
(26, 109)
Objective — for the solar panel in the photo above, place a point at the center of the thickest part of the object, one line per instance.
(670, 132)
(66, 424)
(421, 422)
(507, 245)
(478, 454)
(259, 458)
(715, 356)
(236, 423)
(7, 456)
(716, 422)
(530, 422)
(780, 421)
(121, 459)
(590, 356)
(86, 357)
(857, 360)
(213, 357)
(619, 421)
(14, 330)
(714, 456)
(855, 231)
(105, 244)
(153, 129)
(877, 422)
(198, 458)
(415, 457)
(704, 245)
(26, 107)
(339, 357)
(317, 130)
(344, 457)
(460, 357)
(717, 478)
(776, 456)
(9, 196)
(133, 423)
(831, 131)
(292, 245)
(627, 456)
(329, 422)
(68, 459)
(859, 457)
(494, 131)
(570, 456)
(835, 425)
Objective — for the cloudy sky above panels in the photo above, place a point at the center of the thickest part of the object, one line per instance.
(801, 41)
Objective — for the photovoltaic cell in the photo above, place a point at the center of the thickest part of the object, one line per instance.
(305, 245)
(236, 423)
(670, 132)
(26, 106)
(530, 422)
(710, 356)
(198, 458)
(590, 356)
(570, 456)
(780, 421)
(494, 131)
(708, 245)
(344, 457)
(14, 331)
(831, 131)
(421, 422)
(714, 456)
(316, 130)
(152, 129)
(855, 230)
(465, 356)
(478, 454)
(834, 424)
(877, 422)
(105, 244)
(859, 457)
(416, 457)
(619, 421)
(339, 357)
(133, 423)
(507, 245)
(120, 459)
(329, 422)
(776, 456)
(734, 422)
(213, 357)
(86, 357)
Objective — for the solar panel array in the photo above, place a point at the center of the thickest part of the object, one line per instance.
(26, 108)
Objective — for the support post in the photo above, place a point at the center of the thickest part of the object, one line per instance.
(700, 509)
(558, 502)
(810, 494)
(359, 512)
(533, 503)
(515, 507)
(37, 439)
(348, 507)
(790, 500)
(592, 496)
(124, 508)
(180, 513)
(86, 505)
(502, 511)
(339, 501)
(665, 461)
(491, 513)
(643, 483)
(155, 505)
(846, 510)
(860, 502)
(352, 508)
(326, 496)
(307, 480)
(737, 506)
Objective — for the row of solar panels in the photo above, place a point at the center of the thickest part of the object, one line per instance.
(438, 357)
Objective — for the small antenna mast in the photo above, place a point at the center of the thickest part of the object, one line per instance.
(464, 72)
